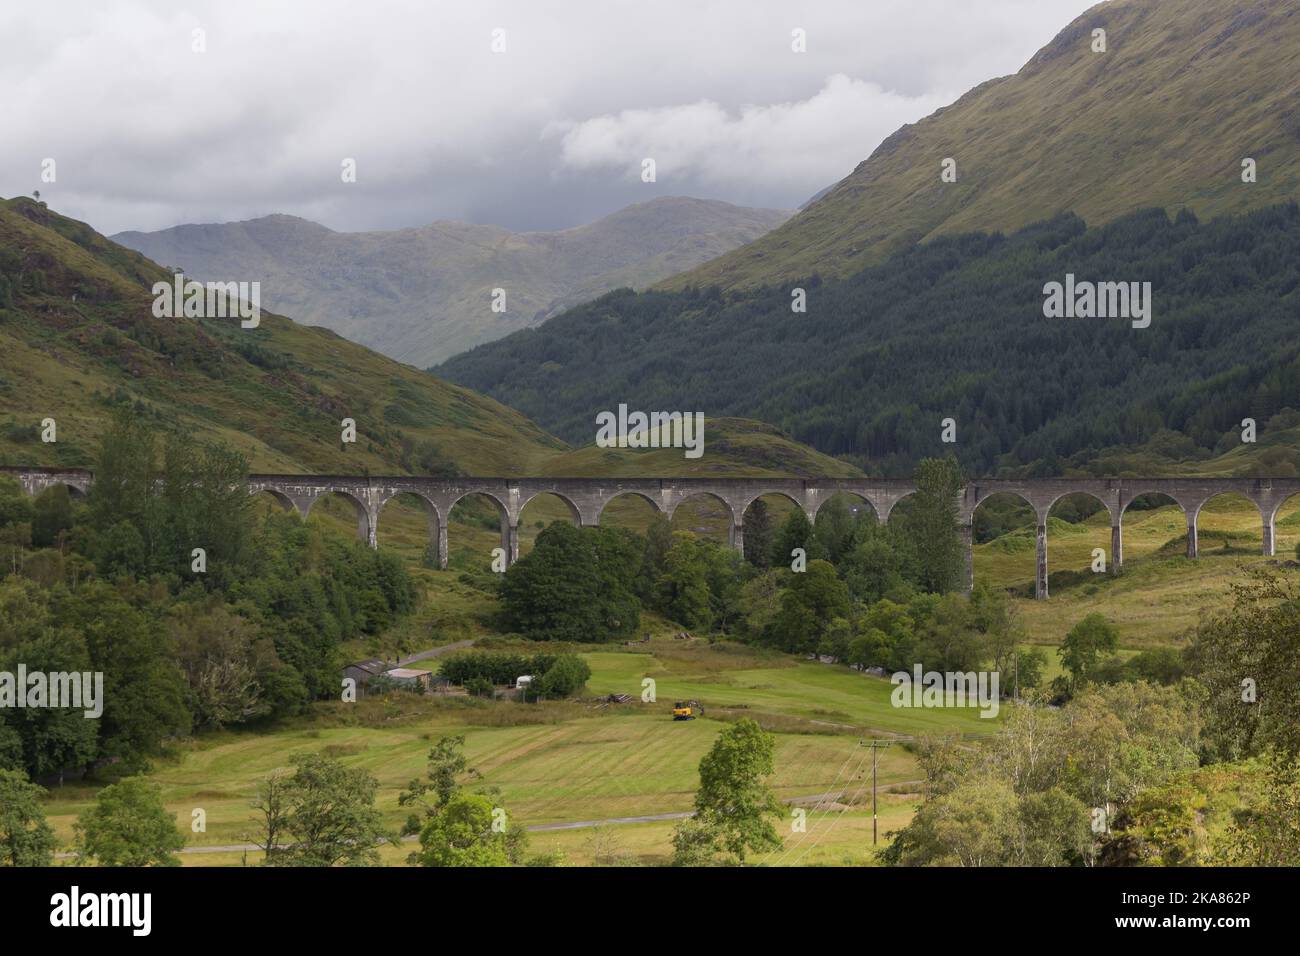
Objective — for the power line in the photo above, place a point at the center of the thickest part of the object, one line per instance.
(809, 832)
(874, 746)
(836, 819)
(820, 800)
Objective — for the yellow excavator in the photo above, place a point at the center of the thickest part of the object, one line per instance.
(687, 710)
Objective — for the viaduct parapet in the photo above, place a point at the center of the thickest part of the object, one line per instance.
(588, 497)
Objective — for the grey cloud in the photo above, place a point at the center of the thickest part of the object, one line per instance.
(147, 133)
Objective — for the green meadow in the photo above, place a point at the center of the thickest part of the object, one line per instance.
(591, 760)
(564, 762)
(1160, 596)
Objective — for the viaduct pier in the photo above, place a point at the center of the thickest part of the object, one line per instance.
(588, 497)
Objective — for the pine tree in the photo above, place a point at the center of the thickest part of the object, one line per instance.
(930, 524)
(758, 535)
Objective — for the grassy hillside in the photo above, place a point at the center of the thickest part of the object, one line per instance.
(733, 447)
(78, 338)
(1164, 117)
(956, 328)
(423, 294)
(581, 761)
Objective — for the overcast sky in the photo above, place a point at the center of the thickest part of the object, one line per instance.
(147, 133)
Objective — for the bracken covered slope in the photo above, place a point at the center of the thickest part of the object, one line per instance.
(78, 339)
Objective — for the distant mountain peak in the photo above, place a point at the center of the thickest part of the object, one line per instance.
(424, 293)
(78, 333)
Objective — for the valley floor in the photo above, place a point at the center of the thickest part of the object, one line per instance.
(568, 762)
(583, 761)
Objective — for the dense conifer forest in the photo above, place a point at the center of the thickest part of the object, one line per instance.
(951, 328)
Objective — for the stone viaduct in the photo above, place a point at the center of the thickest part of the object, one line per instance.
(587, 498)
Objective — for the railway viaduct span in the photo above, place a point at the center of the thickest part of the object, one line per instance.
(587, 498)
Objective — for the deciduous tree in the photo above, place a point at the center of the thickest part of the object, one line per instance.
(25, 838)
(734, 802)
(330, 818)
(128, 826)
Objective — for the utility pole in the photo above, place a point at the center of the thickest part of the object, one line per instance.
(875, 746)
(875, 753)
(1016, 694)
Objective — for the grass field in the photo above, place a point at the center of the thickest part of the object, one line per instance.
(821, 695)
(583, 761)
(833, 834)
(1161, 595)
(570, 761)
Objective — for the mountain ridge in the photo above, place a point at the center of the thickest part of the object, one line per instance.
(78, 340)
(79, 336)
(423, 293)
(956, 330)
(1111, 132)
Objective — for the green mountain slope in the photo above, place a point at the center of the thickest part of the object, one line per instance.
(421, 295)
(733, 447)
(955, 328)
(78, 339)
(1185, 90)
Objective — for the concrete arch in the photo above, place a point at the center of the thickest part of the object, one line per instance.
(1265, 522)
(434, 519)
(1127, 500)
(541, 493)
(527, 531)
(860, 496)
(728, 509)
(1227, 494)
(682, 499)
(460, 496)
(1129, 497)
(508, 523)
(365, 527)
(986, 494)
(34, 481)
(1002, 493)
(1270, 524)
(1277, 508)
(276, 495)
(427, 503)
(1053, 502)
(76, 491)
(1116, 532)
(630, 494)
(885, 511)
(749, 502)
(1040, 536)
(775, 518)
(636, 512)
(840, 533)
